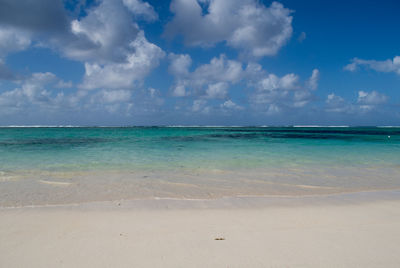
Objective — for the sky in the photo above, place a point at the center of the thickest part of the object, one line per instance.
(199, 62)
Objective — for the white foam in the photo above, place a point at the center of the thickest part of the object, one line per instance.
(317, 126)
(197, 126)
(37, 126)
(55, 183)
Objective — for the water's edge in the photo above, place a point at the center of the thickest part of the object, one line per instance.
(233, 202)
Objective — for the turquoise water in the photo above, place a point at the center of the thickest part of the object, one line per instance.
(218, 161)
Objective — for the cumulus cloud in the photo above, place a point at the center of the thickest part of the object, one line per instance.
(104, 37)
(179, 68)
(337, 104)
(116, 51)
(179, 64)
(272, 82)
(141, 8)
(32, 92)
(179, 90)
(366, 101)
(104, 34)
(301, 98)
(217, 91)
(230, 105)
(247, 25)
(200, 106)
(210, 80)
(371, 98)
(123, 102)
(113, 101)
(64, 84)
(387, 66)
(313, 81)
(13, 40)
(139, 63)
(219, 69)
(115, 96)
(274, 94)
(38, 95)
(111, 45)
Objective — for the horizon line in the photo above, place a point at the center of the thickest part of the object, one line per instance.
(193, 126)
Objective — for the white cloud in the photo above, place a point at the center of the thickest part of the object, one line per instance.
(179, 90)
(104, 34)
(37, 96)
(313, 81)
(217, 91)
(273, 109)
(113, 48)
(116, 51)
(113, 101)
(13, 40)
(141, 8)
(200, 106)
(64, 84)
(230, 105)
(386, 66)
(301, 98)
(115, 96)
(146, 56)
(179, 64)
(247, 25)
(179, 67)
(273, 82)
(366, 101)
(352, 67)
(210, 80)
(334, 99)
(32, 92)
(337, 104)
(274, 94)
(371, 98)
(219, 69)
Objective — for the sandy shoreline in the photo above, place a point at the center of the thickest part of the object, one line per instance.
(358, 230)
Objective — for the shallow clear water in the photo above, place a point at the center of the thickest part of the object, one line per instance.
(52, 165)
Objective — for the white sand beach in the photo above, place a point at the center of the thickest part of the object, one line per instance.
(115, 234)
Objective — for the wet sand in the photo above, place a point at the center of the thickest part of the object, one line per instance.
(50, 188)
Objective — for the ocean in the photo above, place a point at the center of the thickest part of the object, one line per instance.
(57, 165)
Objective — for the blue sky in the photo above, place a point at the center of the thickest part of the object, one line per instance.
(199, 62)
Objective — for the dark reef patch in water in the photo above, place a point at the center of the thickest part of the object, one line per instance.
(280, 135)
